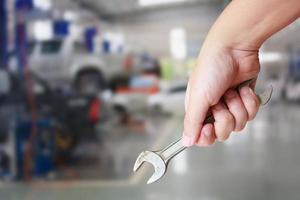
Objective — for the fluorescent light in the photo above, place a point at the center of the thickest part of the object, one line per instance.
(144, 3)
(70, 16)
(43, 30)
(270, 56)
(43, 4)
(178, 43)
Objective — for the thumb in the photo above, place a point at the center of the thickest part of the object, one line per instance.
(196, 106)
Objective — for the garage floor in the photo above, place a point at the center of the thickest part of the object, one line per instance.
(260, 163)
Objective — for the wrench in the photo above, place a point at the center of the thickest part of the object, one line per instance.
(160, 159)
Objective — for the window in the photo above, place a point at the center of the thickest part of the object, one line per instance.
(51, 46)
(80, 47)
(178, 89)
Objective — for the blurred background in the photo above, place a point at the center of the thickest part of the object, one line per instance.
(86, 85)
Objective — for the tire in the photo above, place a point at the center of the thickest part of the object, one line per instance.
(89, 82)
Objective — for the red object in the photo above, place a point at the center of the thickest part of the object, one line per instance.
(147, 90)
(95, 110)
(128, 62)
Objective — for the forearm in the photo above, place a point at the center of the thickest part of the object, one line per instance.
(246, 24)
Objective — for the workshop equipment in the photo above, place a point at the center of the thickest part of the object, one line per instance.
(41, 158)
(160, 159)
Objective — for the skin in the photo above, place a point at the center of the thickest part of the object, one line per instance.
(229, 56)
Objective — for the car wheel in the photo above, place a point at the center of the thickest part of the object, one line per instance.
(89, 82)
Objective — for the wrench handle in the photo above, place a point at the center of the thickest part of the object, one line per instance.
(172, 150)
(176, 147)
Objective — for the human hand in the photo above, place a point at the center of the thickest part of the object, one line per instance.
(210, 91)
(229, 57)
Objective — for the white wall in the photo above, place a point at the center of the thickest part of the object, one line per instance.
(149, 30)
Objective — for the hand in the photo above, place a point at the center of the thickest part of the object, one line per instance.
(210, 90)
(228, 57)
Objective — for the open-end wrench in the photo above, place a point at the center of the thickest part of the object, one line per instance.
(160, 159)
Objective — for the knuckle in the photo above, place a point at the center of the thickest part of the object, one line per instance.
(239, 127)
(231, 96)
(253, 108)
(228, 118)
(210, 97)
(228, 125)
(253, 97)
(241, 122)
(251, 116)
(222, 137)
(254, 102)
(222, 132)
(212, 101)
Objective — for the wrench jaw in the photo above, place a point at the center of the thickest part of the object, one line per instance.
(139, 161)
(266, 95)
(157, 162)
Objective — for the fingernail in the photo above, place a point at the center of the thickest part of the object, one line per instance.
(207, 133)
(201, 142)
(187, 141)
(246, 91)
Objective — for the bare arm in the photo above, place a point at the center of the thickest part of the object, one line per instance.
(248, 23)
(230, 56)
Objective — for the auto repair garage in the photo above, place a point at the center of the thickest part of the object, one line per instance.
(92, 89)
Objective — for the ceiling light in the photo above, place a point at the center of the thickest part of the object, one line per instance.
(43, 4)
(270, 56)
(178, 43)
(43, 30)
(144, 3)
(71, 16)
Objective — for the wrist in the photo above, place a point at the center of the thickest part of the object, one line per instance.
(231, 42)
(228, 48)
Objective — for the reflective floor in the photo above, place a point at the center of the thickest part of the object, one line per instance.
(263, 162)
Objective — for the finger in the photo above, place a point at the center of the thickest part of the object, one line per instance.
(250, 100)
(197, 107)
(224, 121)
(237, 109)
(186, 100)
(207, 136)
(253, 83)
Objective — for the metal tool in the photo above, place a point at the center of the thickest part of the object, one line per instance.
(160, 159)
